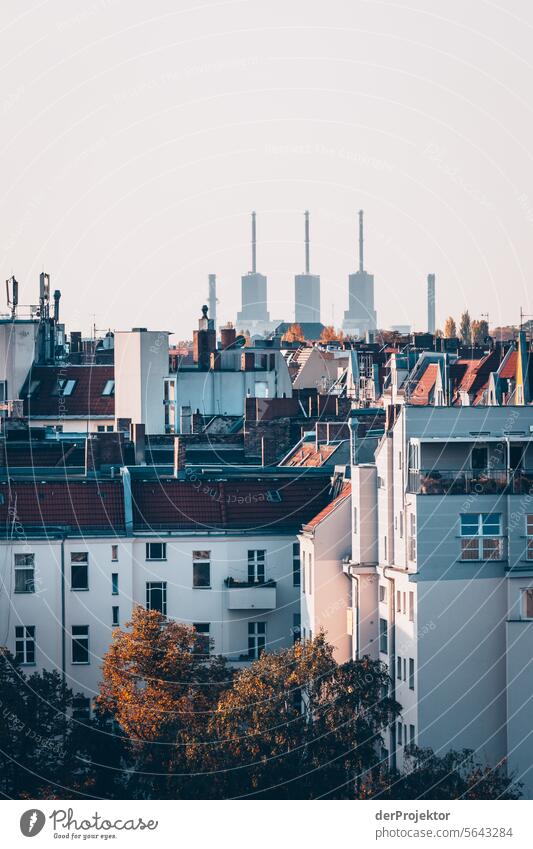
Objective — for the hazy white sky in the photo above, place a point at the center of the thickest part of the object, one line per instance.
(137, 136)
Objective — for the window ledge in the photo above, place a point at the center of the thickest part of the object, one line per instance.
(80, 663)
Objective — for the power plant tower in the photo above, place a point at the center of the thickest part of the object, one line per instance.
(307, 287)
(431, 303)
(254, 292)
(360, 316)
(212, 299)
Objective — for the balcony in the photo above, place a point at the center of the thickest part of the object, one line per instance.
(470, 481)
(250, 595)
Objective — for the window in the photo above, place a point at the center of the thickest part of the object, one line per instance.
(256, 566)
(310, 575)
(114, 553)
(25, 643)
(385, 546)
(296, 564)
(65, 386)
(24, 573)
(398, 601)
(399, 668)
(80, 644)
(481, 536)
(79, 570)
(527, 603)
(296, 627)
(109, 428)
(355, 520)
(156, 596)
(399, 459)
(404, 608)
(202, 644)
(100, 428)
(411, 606)
(529, 536)
(479, 457)
(115, 616)
(383, 641)
(412, 735)
(114, 583)
(411, 673)
(382, 592)
(201, 569)
(412, 537)
(156, 551)
(256, 639)
(401, 524)
(303, 571)
(109, 388)
(400, 739)
(81, 708)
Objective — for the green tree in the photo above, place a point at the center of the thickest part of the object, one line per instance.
(480, 331)
(465, 329)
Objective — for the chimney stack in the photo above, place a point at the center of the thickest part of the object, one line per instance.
(431, 303)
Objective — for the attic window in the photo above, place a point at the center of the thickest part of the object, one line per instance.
(66, 387)
(109, 388)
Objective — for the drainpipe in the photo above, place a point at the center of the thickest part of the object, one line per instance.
(63, 624)
(355, 625)
(392, 655)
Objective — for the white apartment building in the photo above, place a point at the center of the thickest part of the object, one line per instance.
(442, 579)
(79, 555)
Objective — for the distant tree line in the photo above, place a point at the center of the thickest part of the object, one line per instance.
(173, 721)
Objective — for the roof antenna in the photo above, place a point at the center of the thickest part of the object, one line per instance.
(254, 245)
(306, 215)
(361, 262)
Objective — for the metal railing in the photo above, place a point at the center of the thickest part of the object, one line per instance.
(470, 481)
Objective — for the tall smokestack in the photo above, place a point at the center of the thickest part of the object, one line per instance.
(361, 242)
(254, 245)
(431, 303)
(307, 263)
(212, 299)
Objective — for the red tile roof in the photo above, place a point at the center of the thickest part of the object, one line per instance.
(264, 505)
(472, 376)
(509, 369)
(345, 493)
(421, 394)
(81, 505)
(86, 400)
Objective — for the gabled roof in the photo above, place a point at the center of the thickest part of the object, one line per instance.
(472, 377)
(345, 493)
(309, 454)
(85, 401)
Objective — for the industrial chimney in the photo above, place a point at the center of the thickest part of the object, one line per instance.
(431, 303)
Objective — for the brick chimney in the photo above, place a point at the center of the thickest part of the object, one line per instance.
(228, 334)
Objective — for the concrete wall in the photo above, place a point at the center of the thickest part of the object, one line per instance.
(17, 353)
(141, 365)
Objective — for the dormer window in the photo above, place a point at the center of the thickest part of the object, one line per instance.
(109, 388)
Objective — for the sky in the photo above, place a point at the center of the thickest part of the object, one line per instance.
(137, 138)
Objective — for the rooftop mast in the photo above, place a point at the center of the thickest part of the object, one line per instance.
(361, 240)
(307, 264)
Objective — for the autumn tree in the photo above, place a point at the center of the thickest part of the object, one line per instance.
(465, 328)
(160, 686)
(450, 328)
(480, 331)
(296, 725)
(454, 775)
(329, 334)
(294, 333)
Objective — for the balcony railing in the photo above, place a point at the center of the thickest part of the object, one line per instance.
(470, 481)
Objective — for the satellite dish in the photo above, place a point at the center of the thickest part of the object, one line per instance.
(240, 342)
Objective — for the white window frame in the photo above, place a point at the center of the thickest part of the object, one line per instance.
(82, 562)
(256, 639)
(77, 638)
(483, 547)
(109, 388)
(525, 593)
(257, 565)
(28, 567)
(26, 639)
(163, 551)
(156, 586)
